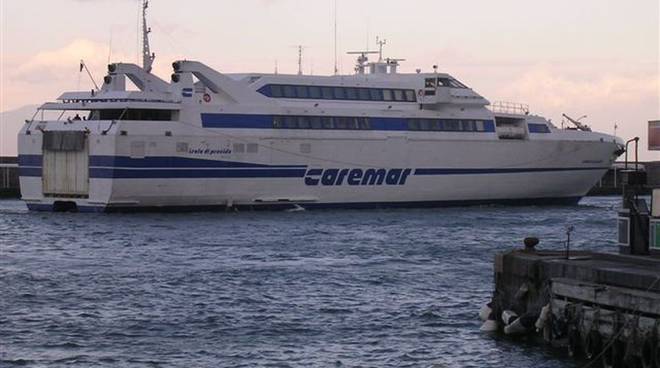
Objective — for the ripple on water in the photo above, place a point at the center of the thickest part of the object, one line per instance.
(317, 288)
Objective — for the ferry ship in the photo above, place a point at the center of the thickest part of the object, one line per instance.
(376, 138)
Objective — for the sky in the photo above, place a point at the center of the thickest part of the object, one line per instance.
(598, 58)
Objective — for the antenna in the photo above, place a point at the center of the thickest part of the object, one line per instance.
(300, 50)
(336, 70)
(362, 60)
(110, 46)
(380, 48)
(147, 56)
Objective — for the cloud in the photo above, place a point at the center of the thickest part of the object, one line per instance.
(58, 64)
(547, 86)
(34, 79)
(629, 99)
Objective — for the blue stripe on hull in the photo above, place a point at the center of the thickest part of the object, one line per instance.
(237, 121)
(102, 173)
(163, 167)
(171, 162)
(29, 160)
(29, 171)
(560, 201)
(438, 171)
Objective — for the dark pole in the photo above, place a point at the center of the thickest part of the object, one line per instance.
(568, 240)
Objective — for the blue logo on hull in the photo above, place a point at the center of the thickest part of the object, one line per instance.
(330, 177)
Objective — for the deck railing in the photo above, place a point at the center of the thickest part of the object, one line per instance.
(506, 107)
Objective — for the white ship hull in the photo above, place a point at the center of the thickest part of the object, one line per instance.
(147, 169)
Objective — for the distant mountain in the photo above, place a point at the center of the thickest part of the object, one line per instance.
(11, 122)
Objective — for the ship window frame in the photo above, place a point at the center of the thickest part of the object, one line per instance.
(302, 91)
(290, 122)
(444, 82)
(342, 123)
(327, 93)
(315, 92)
(351, 93)
(410, 95)
(398, 95)
(376, 94)
(275, 90)
(304, 122)
(364, 94)
(435, 125)
(339, 93)
(327, 122)
(133, 114)
(452, 126)
(278, 122)
(387, 95)
(316, 123)
(456, 83)
(289, 91)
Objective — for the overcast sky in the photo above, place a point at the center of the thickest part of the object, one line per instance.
(588, 57)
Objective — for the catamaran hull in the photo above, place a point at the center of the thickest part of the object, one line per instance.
(361, 175)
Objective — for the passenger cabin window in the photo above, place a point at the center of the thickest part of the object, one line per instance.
(365, 123)
(276, 90)
(538, 128)
(314, 92)
(132, 114)
(446, 125)
(338, 93)
(326, 92)
(301, 91)
(289, 92)
(367, 95)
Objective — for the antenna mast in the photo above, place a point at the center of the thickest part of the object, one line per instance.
(380, 48)
(147, 56)
(300, 49)
(336, 70)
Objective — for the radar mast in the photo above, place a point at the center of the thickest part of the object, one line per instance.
(147, 56)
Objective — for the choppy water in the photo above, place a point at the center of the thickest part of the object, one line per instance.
(372, 288)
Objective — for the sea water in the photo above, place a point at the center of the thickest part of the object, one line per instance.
(345, 288)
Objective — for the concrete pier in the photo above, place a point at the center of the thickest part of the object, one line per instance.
(612, 182)
(602, 307)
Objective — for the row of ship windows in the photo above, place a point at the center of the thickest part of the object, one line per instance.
(317, 122)
(362, 123)
(338, 93)
(448, 125)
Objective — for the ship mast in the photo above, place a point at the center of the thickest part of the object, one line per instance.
(147, 56)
